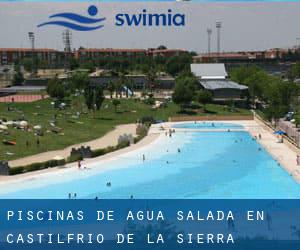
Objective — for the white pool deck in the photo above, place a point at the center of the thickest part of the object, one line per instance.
(284, 153)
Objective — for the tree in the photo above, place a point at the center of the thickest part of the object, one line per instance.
(204, 97)
(184, 91)
(296, 70)
(89, 65)
(151, 79)
(161, 47)
(116, 103)
(94, 98)
(28, 64)
(55, 89)
(111, 88)
(74, 64)
(177, 64)
(79, 80)
(18, 78)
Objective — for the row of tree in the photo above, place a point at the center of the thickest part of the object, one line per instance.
(273, 95)
(78, 83)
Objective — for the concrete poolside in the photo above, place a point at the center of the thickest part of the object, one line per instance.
(284, 153)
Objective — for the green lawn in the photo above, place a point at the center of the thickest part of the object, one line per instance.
(79, 130)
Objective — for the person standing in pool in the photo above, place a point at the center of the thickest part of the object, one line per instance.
(79, 164)
(144, 158)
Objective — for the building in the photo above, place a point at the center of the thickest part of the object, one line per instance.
(214, 78)
(244, 56)
(229, 57)
(166, 52)
(6, 75)
(92, 53)
(136, 81)
(11, 55)
(207, 71)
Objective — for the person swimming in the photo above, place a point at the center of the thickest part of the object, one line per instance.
(178, 150)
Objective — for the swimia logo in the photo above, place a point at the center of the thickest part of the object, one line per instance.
(77, 22)
(150, 19)
(88, 23)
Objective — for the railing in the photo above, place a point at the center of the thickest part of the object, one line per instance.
(289, 141)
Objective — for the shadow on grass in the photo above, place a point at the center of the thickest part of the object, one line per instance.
(103, 118)
(209, 112)
(187, 112)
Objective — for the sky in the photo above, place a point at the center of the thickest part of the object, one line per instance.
(245, 26)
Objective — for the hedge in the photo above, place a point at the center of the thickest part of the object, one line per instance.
(36, 166)
(103, 151)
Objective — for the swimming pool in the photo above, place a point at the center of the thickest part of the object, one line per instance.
(209, 165)
(208, 125)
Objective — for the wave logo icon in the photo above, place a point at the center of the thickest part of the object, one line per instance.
(77, 22)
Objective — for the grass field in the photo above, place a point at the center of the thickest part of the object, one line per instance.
(84, 128)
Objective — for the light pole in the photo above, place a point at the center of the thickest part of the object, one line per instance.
(218, 26)
(209, 31)
(32, 40)
(67, 40)
(298, 42)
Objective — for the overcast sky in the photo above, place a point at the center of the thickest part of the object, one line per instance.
(246, 26)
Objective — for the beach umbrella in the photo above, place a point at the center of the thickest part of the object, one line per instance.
(37, 127)
(279, 132)
(23, 124)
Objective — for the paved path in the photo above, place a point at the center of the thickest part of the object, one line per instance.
(22, 98)
(109, 139)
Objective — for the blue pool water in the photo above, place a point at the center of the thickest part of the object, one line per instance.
(208, 125)
(204, 1)
(210, 165)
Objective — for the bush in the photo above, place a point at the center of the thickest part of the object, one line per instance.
(74, 157)
(147, 119)
(98, 152)
(149, 101)
(16, 170)
(36, 166)
(141, 131)
(123, 144)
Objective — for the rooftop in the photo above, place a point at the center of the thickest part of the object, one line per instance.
(209, 70)
(26, 50)
(221, 84)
